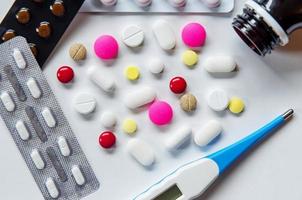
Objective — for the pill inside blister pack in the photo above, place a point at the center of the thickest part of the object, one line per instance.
(159, 6)
(41, 22)
(39, 127)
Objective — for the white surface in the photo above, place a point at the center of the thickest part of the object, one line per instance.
(186, 180)
(268, 85)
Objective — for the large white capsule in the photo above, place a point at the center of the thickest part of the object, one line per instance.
(209, 132)
(220, 64)
(140, 97)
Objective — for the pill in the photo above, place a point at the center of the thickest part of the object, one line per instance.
(178, 85)
(207, 133)
(193, 35)
(218, 100)
(37, 159)
(133, 36)
(78, 175)
(156, 66)
(143, 3)
(33, 48)
(132, 73)
(129, 126)
(107, 139)
(179, 138)
(178, 3)
(44, 30)
(188, 102)
(108, 119)
(160, 113)
(189, 58)
(19, 59)
(34, 88)
(220, 64)
(64, 146)
(9, 34)
(164, 35)
(106, 47)
(212, 3)
(7, 101)
(23, 15)
(108, 2)
(22, 130)
(49, 117)
(58, 8)
(236, 105)
(65, 74)
(84, 103)
(140, 97)
(141, 151)
(52, 188)
(101, 79)
(77, 52)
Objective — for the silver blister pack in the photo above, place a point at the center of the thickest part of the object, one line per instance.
(39, 127)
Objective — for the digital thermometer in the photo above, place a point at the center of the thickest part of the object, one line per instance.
(191, 180)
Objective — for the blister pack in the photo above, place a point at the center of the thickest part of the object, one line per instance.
(39, 127)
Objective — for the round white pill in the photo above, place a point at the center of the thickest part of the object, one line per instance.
(218, 100)
(180, 137)
(108, 119)
(156, 66)
(108, 2)
(84, 103)
(133, 36)
(220, 64)
(178, 3)
(212, 3)
(207, 133)
(140, 97)
(141, 152)
(143, 3)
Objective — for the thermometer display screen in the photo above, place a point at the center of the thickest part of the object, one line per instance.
(173, 193)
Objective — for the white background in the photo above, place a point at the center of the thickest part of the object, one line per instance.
(268, 85)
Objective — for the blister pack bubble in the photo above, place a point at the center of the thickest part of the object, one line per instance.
(39, 127)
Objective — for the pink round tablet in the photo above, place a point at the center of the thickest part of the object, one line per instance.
(193, 35)
(106, 47)
(160, 113)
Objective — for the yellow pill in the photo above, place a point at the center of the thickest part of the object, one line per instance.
(132, 73)
(189, 58)
(236, 105)
(129, 126)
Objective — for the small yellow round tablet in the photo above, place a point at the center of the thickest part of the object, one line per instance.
(132, 73)
(129, 126)
(236, 105)
(189, 58)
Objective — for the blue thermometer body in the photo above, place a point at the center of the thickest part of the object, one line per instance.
(191, 180)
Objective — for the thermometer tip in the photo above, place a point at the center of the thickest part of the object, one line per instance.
(288, 114)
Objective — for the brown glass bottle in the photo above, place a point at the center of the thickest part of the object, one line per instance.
(265, 24)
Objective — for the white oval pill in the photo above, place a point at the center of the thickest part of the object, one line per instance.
(49, 117)
(22, 130)
(164, 34)
(133, 36)
(178, 3)
(108, 2)
(7, 101)
(108, 119)
(37, 159)
(143, 3)
(207, 133)
(140, 97)
(101, 79)
(64, 146)
(212, 3)
(34, 88)
(156, 66)
(218, 100)
(84, 103)
(141, 151)
(19, 59)
(179, 138)
(220, 64)
(78, 175)
(52, 188)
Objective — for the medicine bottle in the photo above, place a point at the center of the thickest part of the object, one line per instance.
(266, 24)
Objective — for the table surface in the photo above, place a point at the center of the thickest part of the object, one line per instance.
(268, 85)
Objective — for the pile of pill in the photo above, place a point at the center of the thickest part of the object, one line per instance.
(159, 111)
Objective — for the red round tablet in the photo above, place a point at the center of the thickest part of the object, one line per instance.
(65, 74)
(107, 139)
(178, 85)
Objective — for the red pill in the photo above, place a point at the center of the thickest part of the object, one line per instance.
(178, 85)
(65, 74)
(107, 139)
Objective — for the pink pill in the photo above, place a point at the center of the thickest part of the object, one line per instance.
(106, 47)
(194, 35)
(160, 113)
